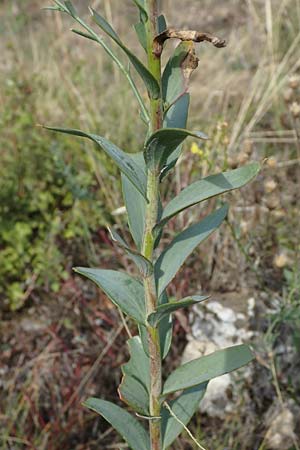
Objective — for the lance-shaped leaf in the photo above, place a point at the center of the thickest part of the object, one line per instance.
(149, 80)
(207, 188)
(184, 407)
(123, 160)
(162, 144)
(175, 84)
(135, 202)
(140, 29)
(53, 8)
(124, 423)
(161, 24)
(123, 290)
(144, 265)
(70, 7)
(169, 308)
(177, 73)
(172, 258)
(207, 367)
(165, 327)
(142, 8)
(141, 34)
(134, 388)
(85, 35)
(176, 117)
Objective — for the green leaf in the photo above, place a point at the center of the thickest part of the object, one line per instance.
(123, 422)
(83, 34)
(144, 265)
(165, 333)
(175, 79)
(184, 407)
(161, 23)
(163, 142)
(168, 308)
(207, 188)
(134, 388)
(176, 117)
(149, 80)
(165, 327)
(172, 258)
(123, 290)
(135, 202)
(175, 84)
(70, 7)
(52, 8)
(123, 160)
(141, 34)
(207, 367)
(177, 114)
(143, 11)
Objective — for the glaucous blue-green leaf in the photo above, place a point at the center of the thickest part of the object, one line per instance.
(176, 76)
(142, 7)
(149, 80)
(124, 423)
(175, 84)
(70, 7)
(165, 334)
(207, 367)
(176, 117)
(141, 34)
(134, 388)
(144, 265)
(165, 327)
(177, 114)
(162, 144)
(184, 407)
(161, 23)
(124, 291)
(168, 308)
(207, 188)
(123, 160)
(83, 34)
(52, 8)
(172, 258)
(135, 202)
(140, 28)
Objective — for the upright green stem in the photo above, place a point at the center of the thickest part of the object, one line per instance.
(156, 122)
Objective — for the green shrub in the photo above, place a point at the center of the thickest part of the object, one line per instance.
(48, 198)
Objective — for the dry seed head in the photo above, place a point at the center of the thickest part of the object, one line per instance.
(295, 109)
(294, 81)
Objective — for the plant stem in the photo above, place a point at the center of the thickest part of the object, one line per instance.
(156, 106)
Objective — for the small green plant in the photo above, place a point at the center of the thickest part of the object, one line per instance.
(44, 197)
(144, 298)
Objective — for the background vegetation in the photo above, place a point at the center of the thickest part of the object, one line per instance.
(57, 195)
